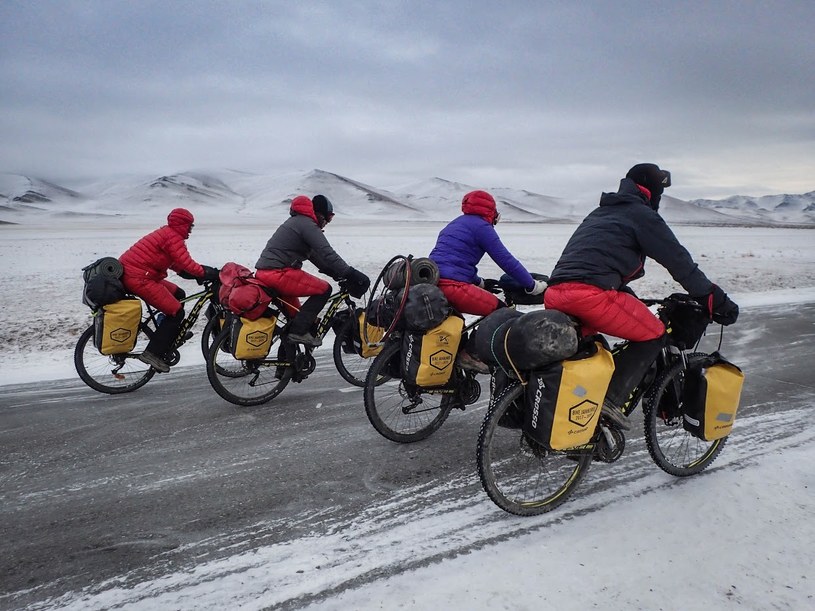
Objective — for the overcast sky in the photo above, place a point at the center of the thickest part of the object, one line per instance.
(560, 98)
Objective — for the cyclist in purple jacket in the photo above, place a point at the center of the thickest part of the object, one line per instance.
(460, 247)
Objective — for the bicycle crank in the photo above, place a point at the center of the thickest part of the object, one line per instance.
(469, 391)
(610, 445)
(304, 365)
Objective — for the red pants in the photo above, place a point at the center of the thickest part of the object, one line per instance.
(468, 298)
(613, 312)
(292, 283)
(158, 293)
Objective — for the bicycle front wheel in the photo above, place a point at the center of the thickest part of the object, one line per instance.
(211, 330)
(351, 366)
(518, 474)
(112, 374)
(672, 448)
(249, 382)
(400, 412)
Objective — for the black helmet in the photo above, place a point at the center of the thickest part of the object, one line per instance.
(652, 178)
(323, 207)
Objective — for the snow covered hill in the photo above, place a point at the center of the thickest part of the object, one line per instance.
(784, 208)
(234, 194)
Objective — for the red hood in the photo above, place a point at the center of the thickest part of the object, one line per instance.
(479, 203)
(303, 205)
(181, 220)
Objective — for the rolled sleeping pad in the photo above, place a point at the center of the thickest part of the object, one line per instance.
(424, 271)
(394, 276)
(110, 267)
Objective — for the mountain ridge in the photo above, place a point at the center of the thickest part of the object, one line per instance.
(240, 194)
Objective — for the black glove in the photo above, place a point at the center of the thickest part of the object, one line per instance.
(491, 285)
(721, 308)
(210, 273)
(356, 282)
(725, 310)
(186, 275)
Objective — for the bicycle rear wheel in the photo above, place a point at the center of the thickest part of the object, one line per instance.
(113, 374)
(400, 412)
(249, 382)
(518, 474)
(672, 448)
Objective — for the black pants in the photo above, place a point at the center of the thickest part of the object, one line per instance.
(309, 312)
(630, 366)
(167, 331)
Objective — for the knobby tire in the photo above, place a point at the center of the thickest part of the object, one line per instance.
(518, 474)
(672, 448)
(398, 412)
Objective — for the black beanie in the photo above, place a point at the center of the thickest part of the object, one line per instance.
(650, 176)
(322, 206)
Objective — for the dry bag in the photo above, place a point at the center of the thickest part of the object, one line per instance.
(116, 326)
(710, 397)
(564, 400)
(251, 339)
(428, 359)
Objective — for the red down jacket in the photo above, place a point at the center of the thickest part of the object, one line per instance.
(147, 261)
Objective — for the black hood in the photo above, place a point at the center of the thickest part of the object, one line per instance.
(628, 193)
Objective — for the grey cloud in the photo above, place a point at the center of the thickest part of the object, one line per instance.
(551, 96)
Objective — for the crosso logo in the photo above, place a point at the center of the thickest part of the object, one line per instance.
(441, 359)
(536, 403)
(408, 353)
(582, 413)
(444, 339)
(257, 338)
(121, 335)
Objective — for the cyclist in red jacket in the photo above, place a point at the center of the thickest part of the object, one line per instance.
(145, 272)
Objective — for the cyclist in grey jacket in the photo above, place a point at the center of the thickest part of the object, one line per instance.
(300, 238)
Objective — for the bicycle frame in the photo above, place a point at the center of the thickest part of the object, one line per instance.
(334, 303)
(201, 298)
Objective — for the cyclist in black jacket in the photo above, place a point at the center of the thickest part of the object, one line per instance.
(605, 253)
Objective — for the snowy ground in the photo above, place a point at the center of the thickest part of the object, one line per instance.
(752, 539)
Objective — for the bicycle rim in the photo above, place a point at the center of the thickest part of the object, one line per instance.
(672, 448)
(249, 383)
(519, 475)
(211, 330)
(114, 374)
(397, 412)
(351, 366)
